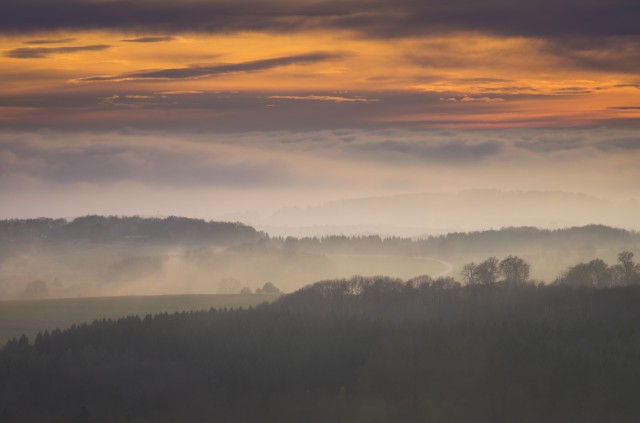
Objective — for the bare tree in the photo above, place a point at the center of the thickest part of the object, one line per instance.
(626, 270)
(487, 271)
(469, 273)
(514, 269)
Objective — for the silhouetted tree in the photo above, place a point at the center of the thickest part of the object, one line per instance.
(514, 269)
(487, 271)
(627, 272)
(601, 274)
(469, 273)
(596, 273)
(269, 288)
(419, 282)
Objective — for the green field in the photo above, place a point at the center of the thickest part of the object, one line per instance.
(33, 316)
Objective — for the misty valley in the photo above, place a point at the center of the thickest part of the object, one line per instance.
(230, 211)
(95, 256)
(130, 319)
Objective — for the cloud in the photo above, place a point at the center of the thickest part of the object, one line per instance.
(110, 158)
(629, 144)
(134, 96)
(161, 16)
(373, 18)
(467, 99)
(336, 99)
(602, 54)
(545, 144)
(42, 52)
(437, 151)
(234, 160)
(58, 41)
(38, 75)
(586, 141)
(156, 39)
(188, 172)
(482, 80)
(197, 71)
(251, 110)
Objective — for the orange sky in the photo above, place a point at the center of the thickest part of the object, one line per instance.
(302, 102)
(467, 79)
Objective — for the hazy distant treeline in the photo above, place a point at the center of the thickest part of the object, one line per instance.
(505, 239)
(360, 350)
(186, 230)
(113, 228)
(102, 256)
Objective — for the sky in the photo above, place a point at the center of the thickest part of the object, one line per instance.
(232, 109)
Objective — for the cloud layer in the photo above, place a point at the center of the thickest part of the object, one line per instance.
(127, 172)
(149, 39)
(195, 71)
(42, 52)
(376, 18)
(288, 158)
(279, 101)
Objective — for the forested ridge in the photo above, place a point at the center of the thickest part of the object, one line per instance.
(106, 229)
(114, 228)
(364, 349)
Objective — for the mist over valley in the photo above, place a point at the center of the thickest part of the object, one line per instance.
(319, 211)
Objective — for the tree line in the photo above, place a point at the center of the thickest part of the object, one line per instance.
(487, 241)
(186, 230)
(598, 274)
(102, 229)
(595, 273)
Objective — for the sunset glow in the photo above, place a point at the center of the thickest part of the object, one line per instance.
(259, 81)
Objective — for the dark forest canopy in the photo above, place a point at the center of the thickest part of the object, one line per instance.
(359, 350)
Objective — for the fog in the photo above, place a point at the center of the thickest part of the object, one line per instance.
(434, 213)
(39, 271)
(430, 181)
(40, 267)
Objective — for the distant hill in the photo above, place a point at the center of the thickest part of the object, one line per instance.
(103, 256)
(532, 239)
(439, 213)
(109, 229)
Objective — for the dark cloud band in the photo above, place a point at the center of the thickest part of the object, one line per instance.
(209, 71)
(58, 41)
(42, 52)
(148, 39)
(376, 18)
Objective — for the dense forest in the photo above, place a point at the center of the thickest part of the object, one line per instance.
(363, 349)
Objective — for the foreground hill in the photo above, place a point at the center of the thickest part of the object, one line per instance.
(367, 349)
